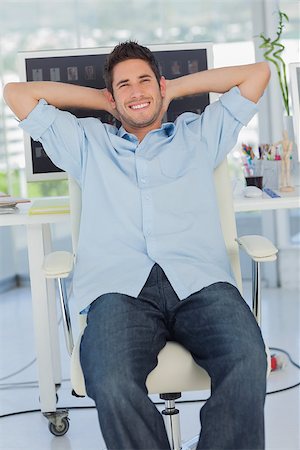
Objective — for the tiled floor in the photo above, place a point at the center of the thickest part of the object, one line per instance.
(281, 323)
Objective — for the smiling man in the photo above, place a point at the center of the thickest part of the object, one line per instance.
(138, 99)
(152, 264)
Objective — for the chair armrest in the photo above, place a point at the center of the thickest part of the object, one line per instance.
(259, 248)
(58, 264)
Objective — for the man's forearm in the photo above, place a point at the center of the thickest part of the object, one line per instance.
(251, 79)
(23, 97)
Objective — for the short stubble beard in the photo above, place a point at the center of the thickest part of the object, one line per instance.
(126, 119)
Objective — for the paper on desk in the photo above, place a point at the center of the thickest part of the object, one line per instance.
(12, 201)
(50, 205)
(8, 210)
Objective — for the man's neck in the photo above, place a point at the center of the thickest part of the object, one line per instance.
(140, 133)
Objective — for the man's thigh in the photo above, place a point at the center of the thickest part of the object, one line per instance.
(123, 335)
(217, 327)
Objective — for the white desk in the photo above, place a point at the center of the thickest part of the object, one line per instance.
(43, 299)
(43, 291)
(264, 203)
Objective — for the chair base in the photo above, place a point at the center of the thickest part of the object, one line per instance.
(172, 423)
(171, 419)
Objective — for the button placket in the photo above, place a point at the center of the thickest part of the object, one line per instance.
(147, 211)
(143, 182)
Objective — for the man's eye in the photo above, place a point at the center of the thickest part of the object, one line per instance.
(124, 84)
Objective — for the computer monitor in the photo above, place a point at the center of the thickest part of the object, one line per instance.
(85, 67)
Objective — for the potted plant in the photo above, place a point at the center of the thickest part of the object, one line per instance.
(273, 53)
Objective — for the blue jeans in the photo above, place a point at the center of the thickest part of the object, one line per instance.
(119, 349)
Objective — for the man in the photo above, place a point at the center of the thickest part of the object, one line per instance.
(152, 265)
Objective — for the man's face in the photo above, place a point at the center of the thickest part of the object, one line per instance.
(137, 96)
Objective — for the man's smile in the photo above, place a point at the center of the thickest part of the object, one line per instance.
(136, 106)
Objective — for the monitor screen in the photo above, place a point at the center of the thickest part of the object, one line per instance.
(85, 67)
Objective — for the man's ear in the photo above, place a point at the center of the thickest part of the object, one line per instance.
(110, 98)
(163, 86)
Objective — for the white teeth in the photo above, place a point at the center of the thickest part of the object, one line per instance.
(142, 105)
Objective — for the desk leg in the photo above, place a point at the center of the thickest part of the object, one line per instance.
(39, 293)
(270, 271)
(52, 311)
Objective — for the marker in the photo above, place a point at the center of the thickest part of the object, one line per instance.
(271, 193)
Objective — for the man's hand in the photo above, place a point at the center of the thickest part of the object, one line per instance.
(108, 107)
(168, 97)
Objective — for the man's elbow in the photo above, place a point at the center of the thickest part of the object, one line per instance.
(264, 73)
(19, 99)
(263, 77)
(9, 92)
(257, 81)
(12, 95)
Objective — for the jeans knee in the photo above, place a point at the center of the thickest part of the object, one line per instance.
(113, 388)
(254, 363)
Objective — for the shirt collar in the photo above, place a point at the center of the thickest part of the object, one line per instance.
(167, 127)
(125, 135)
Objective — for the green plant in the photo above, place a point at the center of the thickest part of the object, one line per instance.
(274, 49)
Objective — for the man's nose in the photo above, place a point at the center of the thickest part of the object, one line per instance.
(136, 91)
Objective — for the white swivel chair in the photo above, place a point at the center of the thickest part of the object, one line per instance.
(176, 371)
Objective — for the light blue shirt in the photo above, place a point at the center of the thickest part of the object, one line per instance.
(146, 202)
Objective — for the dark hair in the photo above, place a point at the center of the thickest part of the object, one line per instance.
(128, 50)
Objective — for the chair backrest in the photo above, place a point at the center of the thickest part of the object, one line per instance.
(226, 210)
(227, 216)
(75, 210)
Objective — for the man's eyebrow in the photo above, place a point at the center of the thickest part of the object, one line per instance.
(122, 81)
(141, 77)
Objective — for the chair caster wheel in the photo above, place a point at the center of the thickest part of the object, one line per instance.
(58, 422)
(61, 429)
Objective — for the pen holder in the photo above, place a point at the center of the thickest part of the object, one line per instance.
(254, 181)
(272, 173)
(253, 173)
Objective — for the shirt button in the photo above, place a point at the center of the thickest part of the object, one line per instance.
(143, 180)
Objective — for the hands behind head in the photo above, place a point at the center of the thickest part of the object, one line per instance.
(107, 96)
(168, 96)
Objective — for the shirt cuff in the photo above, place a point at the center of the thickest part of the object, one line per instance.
(39, 119)
(240, 107)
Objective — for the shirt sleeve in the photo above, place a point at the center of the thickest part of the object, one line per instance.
(61, 135)
(222, 121)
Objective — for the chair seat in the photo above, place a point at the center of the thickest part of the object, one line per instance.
(176, 371)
